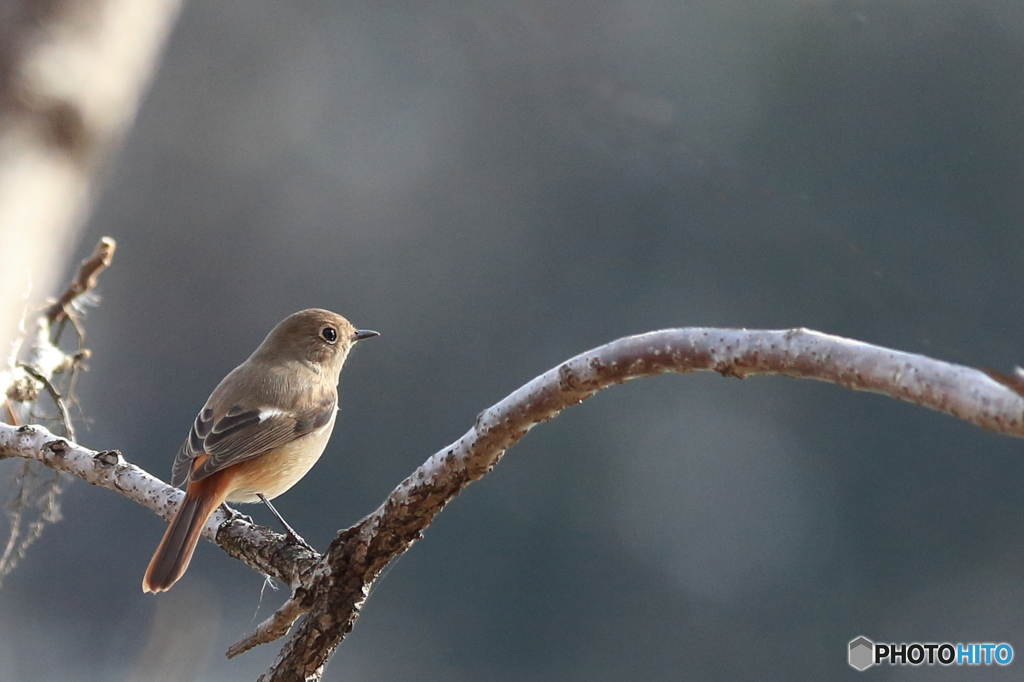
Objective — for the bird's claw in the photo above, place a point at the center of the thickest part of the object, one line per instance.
(293, 538)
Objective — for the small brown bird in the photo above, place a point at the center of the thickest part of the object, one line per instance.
(263, 427)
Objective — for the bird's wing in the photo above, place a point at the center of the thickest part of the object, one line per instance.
(241, 434)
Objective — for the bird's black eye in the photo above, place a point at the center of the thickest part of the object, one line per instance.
(329, 334)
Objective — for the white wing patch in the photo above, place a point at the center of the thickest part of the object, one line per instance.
(268, 412)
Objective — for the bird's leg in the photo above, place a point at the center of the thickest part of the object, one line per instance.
(289, 531)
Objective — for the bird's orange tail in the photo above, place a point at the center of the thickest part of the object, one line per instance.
(174, 553)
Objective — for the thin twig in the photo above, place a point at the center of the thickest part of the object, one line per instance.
(15, 512)
(65, 418)
(22, 380)
(85, 280)
(47, 504)
(9, 415)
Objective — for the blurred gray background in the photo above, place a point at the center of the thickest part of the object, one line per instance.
(496, 187)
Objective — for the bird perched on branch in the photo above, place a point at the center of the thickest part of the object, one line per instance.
(263, 427)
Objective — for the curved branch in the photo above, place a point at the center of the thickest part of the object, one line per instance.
(331, 589)
(338, 586)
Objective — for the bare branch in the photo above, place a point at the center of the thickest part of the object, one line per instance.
(260, 547)
(85, 280)
(330, 590)
(275, 627)
(22, 382)
(339, 585)
(58, 400)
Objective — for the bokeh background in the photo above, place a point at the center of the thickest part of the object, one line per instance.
(496, 187)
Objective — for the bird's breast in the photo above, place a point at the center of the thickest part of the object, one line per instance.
(277, 470)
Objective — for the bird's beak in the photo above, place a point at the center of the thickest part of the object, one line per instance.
(364, 334)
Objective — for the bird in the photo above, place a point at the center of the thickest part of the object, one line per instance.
(261, 430)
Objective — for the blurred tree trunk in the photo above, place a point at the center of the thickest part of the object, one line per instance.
(72, 74)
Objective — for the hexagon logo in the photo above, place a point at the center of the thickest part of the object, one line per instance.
(862, 653)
